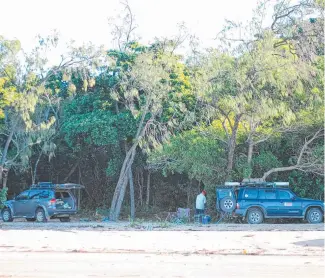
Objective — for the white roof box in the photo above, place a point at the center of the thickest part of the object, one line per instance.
(281, 183)
(232, 183)
(256, 180)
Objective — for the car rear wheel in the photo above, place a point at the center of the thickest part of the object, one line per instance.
(6, 215)
(65, 219)
(40, 215)
(314, 216)
(255, 216)
(227, 204)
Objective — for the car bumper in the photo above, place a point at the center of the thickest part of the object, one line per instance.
(61, 213)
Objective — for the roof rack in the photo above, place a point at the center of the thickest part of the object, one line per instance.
(49, 185)
(42, 185)
(256, 182)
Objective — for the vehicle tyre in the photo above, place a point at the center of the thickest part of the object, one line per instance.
(40, 215)
(65, 219)
(314, 216)
(6, 215)
(227, 204)
(30, 219)
(255, 216)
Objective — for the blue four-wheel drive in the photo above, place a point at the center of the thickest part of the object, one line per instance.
(258, 200)
(41, 202)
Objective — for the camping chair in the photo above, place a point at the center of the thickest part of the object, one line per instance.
(180, 216)
(184, 214)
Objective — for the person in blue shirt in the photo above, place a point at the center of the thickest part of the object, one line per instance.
(201, 202)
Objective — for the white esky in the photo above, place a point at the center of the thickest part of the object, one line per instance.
(85, 20)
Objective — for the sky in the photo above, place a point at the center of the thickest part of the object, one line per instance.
(84, 20)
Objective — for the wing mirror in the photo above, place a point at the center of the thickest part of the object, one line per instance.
(293, 198)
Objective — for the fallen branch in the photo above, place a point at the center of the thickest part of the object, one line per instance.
(305, 167)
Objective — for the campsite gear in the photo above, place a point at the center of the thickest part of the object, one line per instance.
(206, 219)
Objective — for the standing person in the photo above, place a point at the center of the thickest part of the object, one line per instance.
(200, 202)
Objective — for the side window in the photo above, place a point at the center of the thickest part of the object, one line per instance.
(34, 195)
(58, 195)
(267, 194)
(250, 194)
(65, 195)
(44, 194)
(284, 195)
(22, 196)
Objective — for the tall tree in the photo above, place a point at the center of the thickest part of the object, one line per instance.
(23, 82)
(146, 86)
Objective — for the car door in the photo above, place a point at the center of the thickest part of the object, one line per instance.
(20, 203)
(268, 200)
(288, 206)
(68, 199)
(35, 199)
(248, 198)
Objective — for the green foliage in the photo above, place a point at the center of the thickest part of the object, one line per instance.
(179, 113)
(307, 185)
(87, 123)
(3, 196)
(8, 91)
(192, 154)
(96, 128)
(265, 161)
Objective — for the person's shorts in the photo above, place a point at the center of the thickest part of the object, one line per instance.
(199, 211)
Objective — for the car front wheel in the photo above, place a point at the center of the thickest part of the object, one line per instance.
(6, 215)
(255, 216)
(314, 216)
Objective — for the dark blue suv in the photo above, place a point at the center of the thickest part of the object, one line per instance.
(41, 202)
(258, 201)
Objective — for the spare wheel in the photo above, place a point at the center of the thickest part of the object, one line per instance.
(227, 204)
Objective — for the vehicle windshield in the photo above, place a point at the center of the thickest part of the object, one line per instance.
(293, 193)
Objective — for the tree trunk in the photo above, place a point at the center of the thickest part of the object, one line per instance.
(35, 169)
(123, 184)
(120, 184)
(79, 182)
(6, 148)
(189, 185)
(73, 169)
(250, 156)
(3, 173)
(232, 146)
(131, 194)
(5, 178)
(250, 152)
(127, 163)
(120, 198)
(280, 169)
(148, 189)
(299, 165)
(140, 183)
